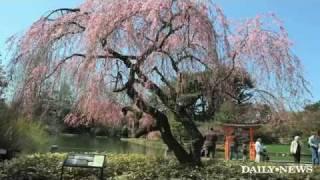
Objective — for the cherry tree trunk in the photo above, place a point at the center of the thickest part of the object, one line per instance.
(191, 158)
(181, 154)
(196, 139)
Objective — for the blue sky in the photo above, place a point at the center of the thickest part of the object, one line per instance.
(301, 18)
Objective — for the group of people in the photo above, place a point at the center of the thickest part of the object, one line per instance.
(295, 149)
(313, 143)
(236, 148)
(209, 147)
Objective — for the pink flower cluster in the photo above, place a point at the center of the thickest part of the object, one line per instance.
(173, 36)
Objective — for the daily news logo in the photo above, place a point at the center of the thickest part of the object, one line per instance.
(276, 169)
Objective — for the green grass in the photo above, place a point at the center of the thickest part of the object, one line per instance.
(280, 152)
(282, 148)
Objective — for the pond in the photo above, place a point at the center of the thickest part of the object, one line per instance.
(87, 143)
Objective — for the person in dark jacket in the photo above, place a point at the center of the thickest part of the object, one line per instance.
(295, 149)
(245, 151)
(210, 143)
(234, 147)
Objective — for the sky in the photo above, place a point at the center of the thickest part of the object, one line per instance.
(301, 19)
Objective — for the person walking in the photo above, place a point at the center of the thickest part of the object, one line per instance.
(210, 143)
(313, 143)
(295, 149)
(245, 152)
(259, 150)
(234, 147)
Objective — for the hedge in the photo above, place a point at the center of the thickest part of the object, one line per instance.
(134, 167)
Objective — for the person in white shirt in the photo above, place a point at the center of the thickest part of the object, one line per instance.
(259, 150)
(314, 142)
(295, 149)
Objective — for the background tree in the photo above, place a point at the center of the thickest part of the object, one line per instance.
(3, 81)
(305, 121)
(313, 107)
(205, 102)
(132, 48)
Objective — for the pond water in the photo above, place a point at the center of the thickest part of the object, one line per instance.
(86, 143)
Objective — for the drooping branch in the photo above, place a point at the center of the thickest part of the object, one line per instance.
(124, 58)
(173, 63)
(69, 58)
(229, 74)
(62, 12)
(163, 79)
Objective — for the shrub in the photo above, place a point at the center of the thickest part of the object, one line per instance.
(138, 167)
(8, 138)
(18, 134)
(31, 134)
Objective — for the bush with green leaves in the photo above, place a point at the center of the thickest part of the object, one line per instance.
(31, 134)
(20, 134)
(8, 134)
(137, 167)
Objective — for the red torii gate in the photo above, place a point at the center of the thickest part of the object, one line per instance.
(246, 129)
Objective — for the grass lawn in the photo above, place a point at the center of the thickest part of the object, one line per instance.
(283, 148)
(280, 152)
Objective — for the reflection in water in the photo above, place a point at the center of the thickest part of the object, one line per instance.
(86, 143)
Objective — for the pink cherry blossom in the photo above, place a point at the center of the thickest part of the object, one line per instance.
(98, 45)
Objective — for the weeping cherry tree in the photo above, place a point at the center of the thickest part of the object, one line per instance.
(116, 54)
